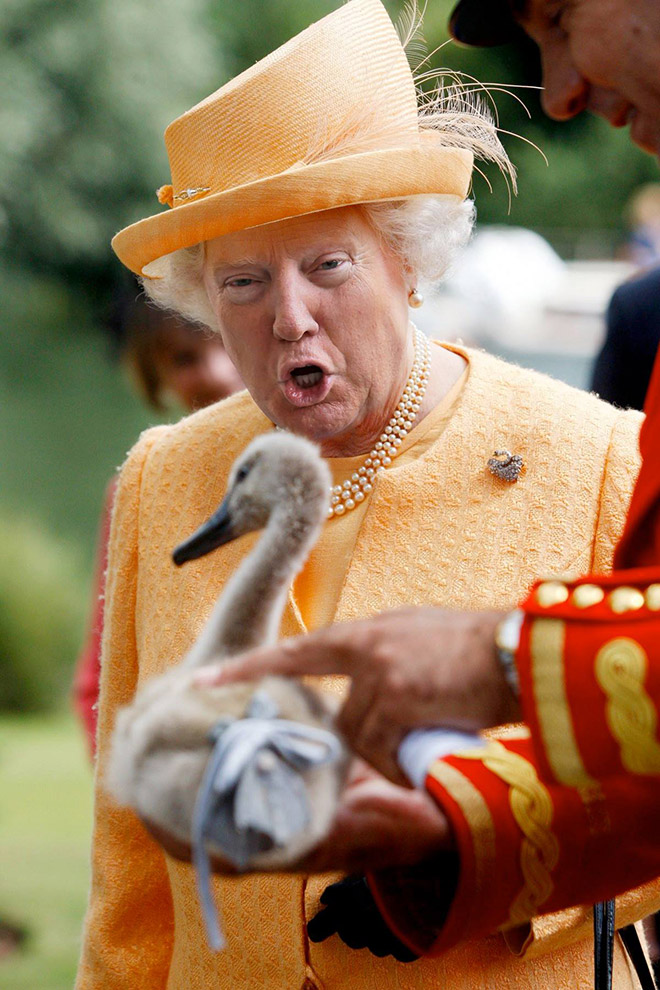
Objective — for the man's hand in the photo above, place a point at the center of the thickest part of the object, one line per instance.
(411, 668)
(377, 825)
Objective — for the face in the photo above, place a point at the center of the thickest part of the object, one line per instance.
(602, 56)
(313, 312)
(194, 367)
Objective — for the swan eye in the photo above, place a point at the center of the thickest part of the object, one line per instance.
(242, 473)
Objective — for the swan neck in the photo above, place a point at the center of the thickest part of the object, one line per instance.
(249, 611)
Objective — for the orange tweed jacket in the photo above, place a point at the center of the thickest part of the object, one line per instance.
(440, 530)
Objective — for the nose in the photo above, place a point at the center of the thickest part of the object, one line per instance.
(293, 316)
(565, 90)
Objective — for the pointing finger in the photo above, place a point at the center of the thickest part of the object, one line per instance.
(314, 654)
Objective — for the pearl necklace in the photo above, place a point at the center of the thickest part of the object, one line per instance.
(348, 495)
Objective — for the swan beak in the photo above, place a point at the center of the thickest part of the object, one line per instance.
(211, 534)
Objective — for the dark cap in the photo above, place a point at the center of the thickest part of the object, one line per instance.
(483, 23)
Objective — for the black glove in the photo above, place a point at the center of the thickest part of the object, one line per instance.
(351, 912)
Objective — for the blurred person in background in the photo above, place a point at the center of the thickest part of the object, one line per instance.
(643, 213)
(622, 371)
(174, 364)
(623, 367)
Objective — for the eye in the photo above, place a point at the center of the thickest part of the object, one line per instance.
(331, 271)
(242, 289)
(243, 472)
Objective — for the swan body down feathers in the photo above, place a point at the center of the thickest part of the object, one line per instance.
(162, 741)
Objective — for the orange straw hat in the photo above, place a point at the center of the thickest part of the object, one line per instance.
(327, 120)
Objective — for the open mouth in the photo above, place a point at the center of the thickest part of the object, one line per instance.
(306, 384)
(307, 376)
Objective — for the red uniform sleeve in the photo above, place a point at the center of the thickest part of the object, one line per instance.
(526, 847)
(589, 668)
(589, 655)
(640, 543)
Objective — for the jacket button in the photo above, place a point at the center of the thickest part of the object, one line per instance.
(653, 597)
(626, 600)
(586, 595)
(551, 593)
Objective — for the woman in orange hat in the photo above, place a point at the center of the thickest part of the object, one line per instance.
(309, 197)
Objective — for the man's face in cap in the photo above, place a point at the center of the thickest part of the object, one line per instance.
(598, 55)
(602, 56)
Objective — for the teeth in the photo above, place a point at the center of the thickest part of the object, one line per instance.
(308, 380)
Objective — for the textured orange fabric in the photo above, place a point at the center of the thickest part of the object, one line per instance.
(440, 530)
(330, 558)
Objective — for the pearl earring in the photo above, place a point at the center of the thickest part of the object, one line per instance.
(415, 299)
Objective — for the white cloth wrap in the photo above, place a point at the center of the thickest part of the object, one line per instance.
(253, 796)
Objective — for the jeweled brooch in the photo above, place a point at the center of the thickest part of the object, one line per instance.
(505, 465)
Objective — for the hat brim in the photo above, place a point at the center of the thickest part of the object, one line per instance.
(483, 23)
(395, 173)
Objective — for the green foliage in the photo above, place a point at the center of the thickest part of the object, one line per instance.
(67, 415)
(42, 597)
(93, 84)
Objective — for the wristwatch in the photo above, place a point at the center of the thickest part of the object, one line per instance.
(507, 640)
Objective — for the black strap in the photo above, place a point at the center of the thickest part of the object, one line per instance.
(603, 944)
(631, 940)
(604, 949)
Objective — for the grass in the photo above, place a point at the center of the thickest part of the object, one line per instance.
(45, 824)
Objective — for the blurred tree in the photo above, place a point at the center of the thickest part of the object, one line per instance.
(89, 87)
(42, 599)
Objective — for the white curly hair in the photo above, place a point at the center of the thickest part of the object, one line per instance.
(425, 232)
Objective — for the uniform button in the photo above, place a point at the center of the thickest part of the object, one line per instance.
(551, 593)
(652, 597)
(586, 595)
(626, 600)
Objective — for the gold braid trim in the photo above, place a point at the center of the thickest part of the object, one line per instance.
(546, 646)
(532, 809)
(482, 829)
(631, 715)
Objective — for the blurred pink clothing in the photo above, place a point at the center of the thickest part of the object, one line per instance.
(85, 688)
